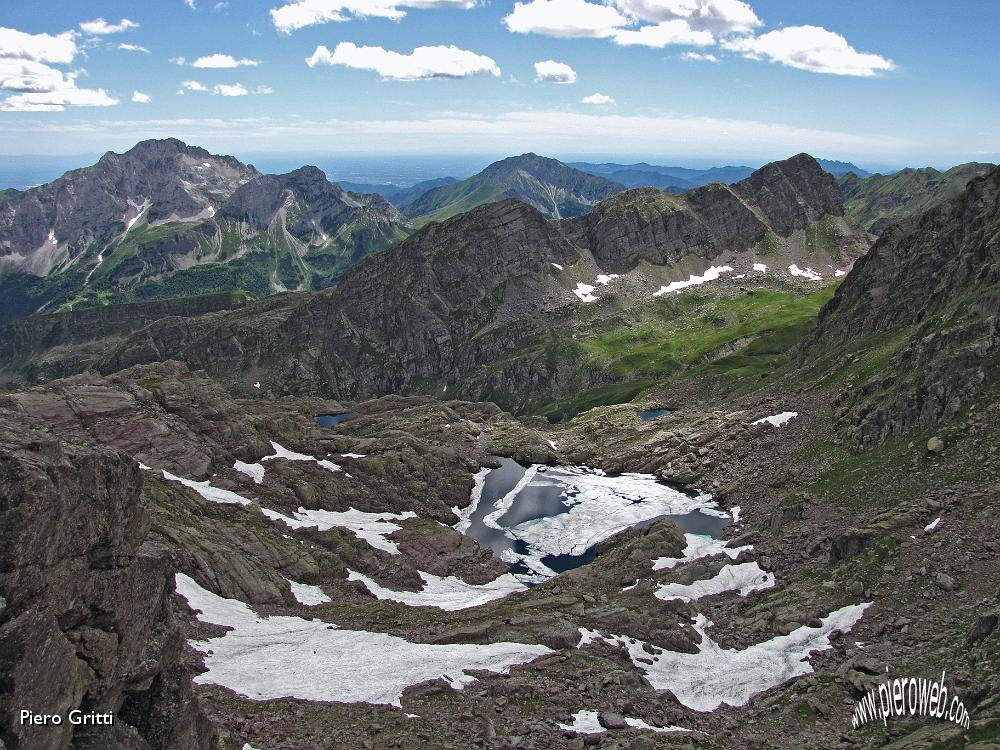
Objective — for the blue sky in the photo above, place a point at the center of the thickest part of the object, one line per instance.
(695, 81)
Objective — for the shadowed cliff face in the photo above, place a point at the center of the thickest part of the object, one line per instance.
(930, 287)
(85, 619)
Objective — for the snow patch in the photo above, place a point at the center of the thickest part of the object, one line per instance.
(207, 491)
(808, 273)
(308, 595)
(839, 273)
(705, 680)
(556, 265)
(744, 578)
(606, 278)
(265, 658)
(254, 471)
(583, 291)
(712, 274)
(449, 593)
(552, 445)
(372, 528)
(282, 452)
(777, 420)
(586, 722)
(465, 516)
(353, 455)
(698, 546)
(932, 525)
(762, 267)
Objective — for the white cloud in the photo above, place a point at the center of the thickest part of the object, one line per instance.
(662, 34)
(700, 57)
(554, 72)
(298, 15)
(140, 98)
(263, 90)
(565, 18)
(133, 47)
(56, 101)
(220, 61)
(192, 86)
(716, 16)
(598, 98)
(26, 71)
(424, 62)
(46, 48)
(230, 89)
(190, 4)
(811, 48)
(100, 27)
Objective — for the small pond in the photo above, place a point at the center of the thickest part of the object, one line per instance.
(546, 520)
(648, 415)
(331, 420)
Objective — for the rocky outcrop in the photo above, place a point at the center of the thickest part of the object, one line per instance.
(86, 622)
(647, 224)
(931, 280)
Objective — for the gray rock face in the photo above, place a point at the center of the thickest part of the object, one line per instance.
(934, 280)
(87, 623)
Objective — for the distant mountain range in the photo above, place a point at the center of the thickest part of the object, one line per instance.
(878, 201)
(169, 220)
(555, 189)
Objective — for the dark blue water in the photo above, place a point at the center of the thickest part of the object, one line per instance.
(650, 414)
(544, 500)
(330, 420)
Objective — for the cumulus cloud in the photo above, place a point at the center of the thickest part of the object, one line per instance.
(100, 27)
(297, 15)
(133, 47)
(700, 57)
(715, 16)
(192, 86)
(220, 61)
(230, 89)
(140, 98)
(811, 48)
(565, 18)
(554, 72)
(46, 48)
(34, 85)
(662, 34)
(598, 98)
(424, 62)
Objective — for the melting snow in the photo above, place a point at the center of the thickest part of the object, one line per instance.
(932, 525)
(583, 291)
(265, 658)
(606, 278)
(762, 267)
(502, 505)
(556, 265)
(353, 455)
(448, 593)
(207, 491)
(282, 452)
(465, 515)
(308, 595)
(744, 578)
(699, 546)
(808, 273)
(838, 272)
(254, 471)
(777, 420)
(711, 274)
(257, 385)
(552, 445)
(735, 510)
(585, 722)
(705, 680)
(369, 527)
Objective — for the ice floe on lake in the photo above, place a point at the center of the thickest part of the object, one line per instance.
(307, 594)
(282, 452)
(777, 420)
(465, 515)
(705, 680)
(266, 658)
(698, 546)
(586, 722)
(254, 471)
(712, 274)
(744, 578)
(448, 593)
